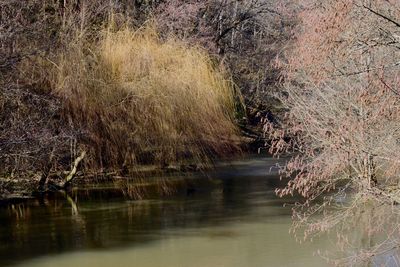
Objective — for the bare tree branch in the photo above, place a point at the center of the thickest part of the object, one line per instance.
(382, 16)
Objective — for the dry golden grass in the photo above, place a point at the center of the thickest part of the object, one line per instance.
(145, 100)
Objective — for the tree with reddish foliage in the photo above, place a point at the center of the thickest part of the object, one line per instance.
(342, 83)
(342, 88)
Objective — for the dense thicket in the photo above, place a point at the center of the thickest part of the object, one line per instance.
(131, 82)
(97, 77)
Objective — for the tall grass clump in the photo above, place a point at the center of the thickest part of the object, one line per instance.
(143, 100)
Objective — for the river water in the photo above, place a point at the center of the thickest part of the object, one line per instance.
(238, 221)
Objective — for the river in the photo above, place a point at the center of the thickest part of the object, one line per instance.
(236, 222)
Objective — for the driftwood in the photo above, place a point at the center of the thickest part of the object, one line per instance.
(72, 173)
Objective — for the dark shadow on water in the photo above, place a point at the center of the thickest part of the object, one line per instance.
(106, 219)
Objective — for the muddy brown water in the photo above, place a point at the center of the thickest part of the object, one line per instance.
(236, 222)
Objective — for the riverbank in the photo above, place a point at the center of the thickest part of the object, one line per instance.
(148, 180)
(94, 91)
(16, 189)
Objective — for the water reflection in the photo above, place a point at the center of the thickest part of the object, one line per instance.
(235, 220)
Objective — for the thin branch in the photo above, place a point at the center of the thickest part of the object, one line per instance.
(382, 16)
(388, 87)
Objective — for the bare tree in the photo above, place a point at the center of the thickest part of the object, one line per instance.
(245, 35)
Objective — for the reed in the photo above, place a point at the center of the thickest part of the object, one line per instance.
(143, 100)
